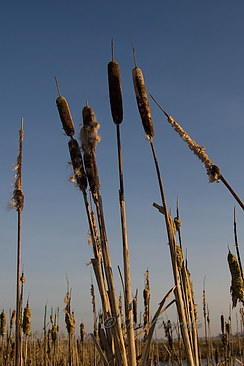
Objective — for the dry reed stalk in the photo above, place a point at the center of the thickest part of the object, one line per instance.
(151, 330)
(17, 202)
(89, 139)
(70, 322)
(187, 291)
(22, 279)
(45, 335)
(205, 312)
(146, 297)
(115, 94)
(105, 361)
(26, 327)
(236, 244)
(145, 114)
(213, 171)
(80, 177)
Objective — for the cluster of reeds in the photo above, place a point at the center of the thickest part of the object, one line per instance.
(115, 340)
(112, 347)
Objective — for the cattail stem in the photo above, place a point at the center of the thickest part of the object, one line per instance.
(45, 334)
(19, 205)
(127, 284)
(178, 216)
(57, 86)
(231, 191)
(109, 276)
(172, 246)
(17, 321)
(203, 157)
(236, 244)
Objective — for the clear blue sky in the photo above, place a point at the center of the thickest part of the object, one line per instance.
(191, 54)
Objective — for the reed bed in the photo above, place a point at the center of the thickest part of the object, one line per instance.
(118, 339)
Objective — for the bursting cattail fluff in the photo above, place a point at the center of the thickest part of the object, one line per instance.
(17, 200)
(142, 101)
(89, 132)
(237, 286)
(77, 163)
(89, 139)
(212, 170)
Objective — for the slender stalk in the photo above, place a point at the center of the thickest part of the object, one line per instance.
(231, 191)
(17, 322)
(212, 170)
(172, 245)
(45, 334)
(236, 244)
(127, 283)
(18, 199)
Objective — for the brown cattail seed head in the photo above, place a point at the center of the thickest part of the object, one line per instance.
(222, 324)
(12, 319)
(142, 101)
(77, 163)
(88, 115)
(65, 116)
(228, 328)
(91, 172)
(2, 323)
(115, 92)
(27, 321)
(88, 133)
(135, 311)
(82, 332)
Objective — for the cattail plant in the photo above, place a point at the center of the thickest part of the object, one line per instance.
(146, 298)
(237, 286)
(69, 321)
(17, 202)
(145, 113)
(9, 335)
(26, 326)
(205, 312)
(2, 330)
(22, 280)
(89, 139)
(135, 308)
(94, 318)
(236, 244)
(115, 96)
(213, 171)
